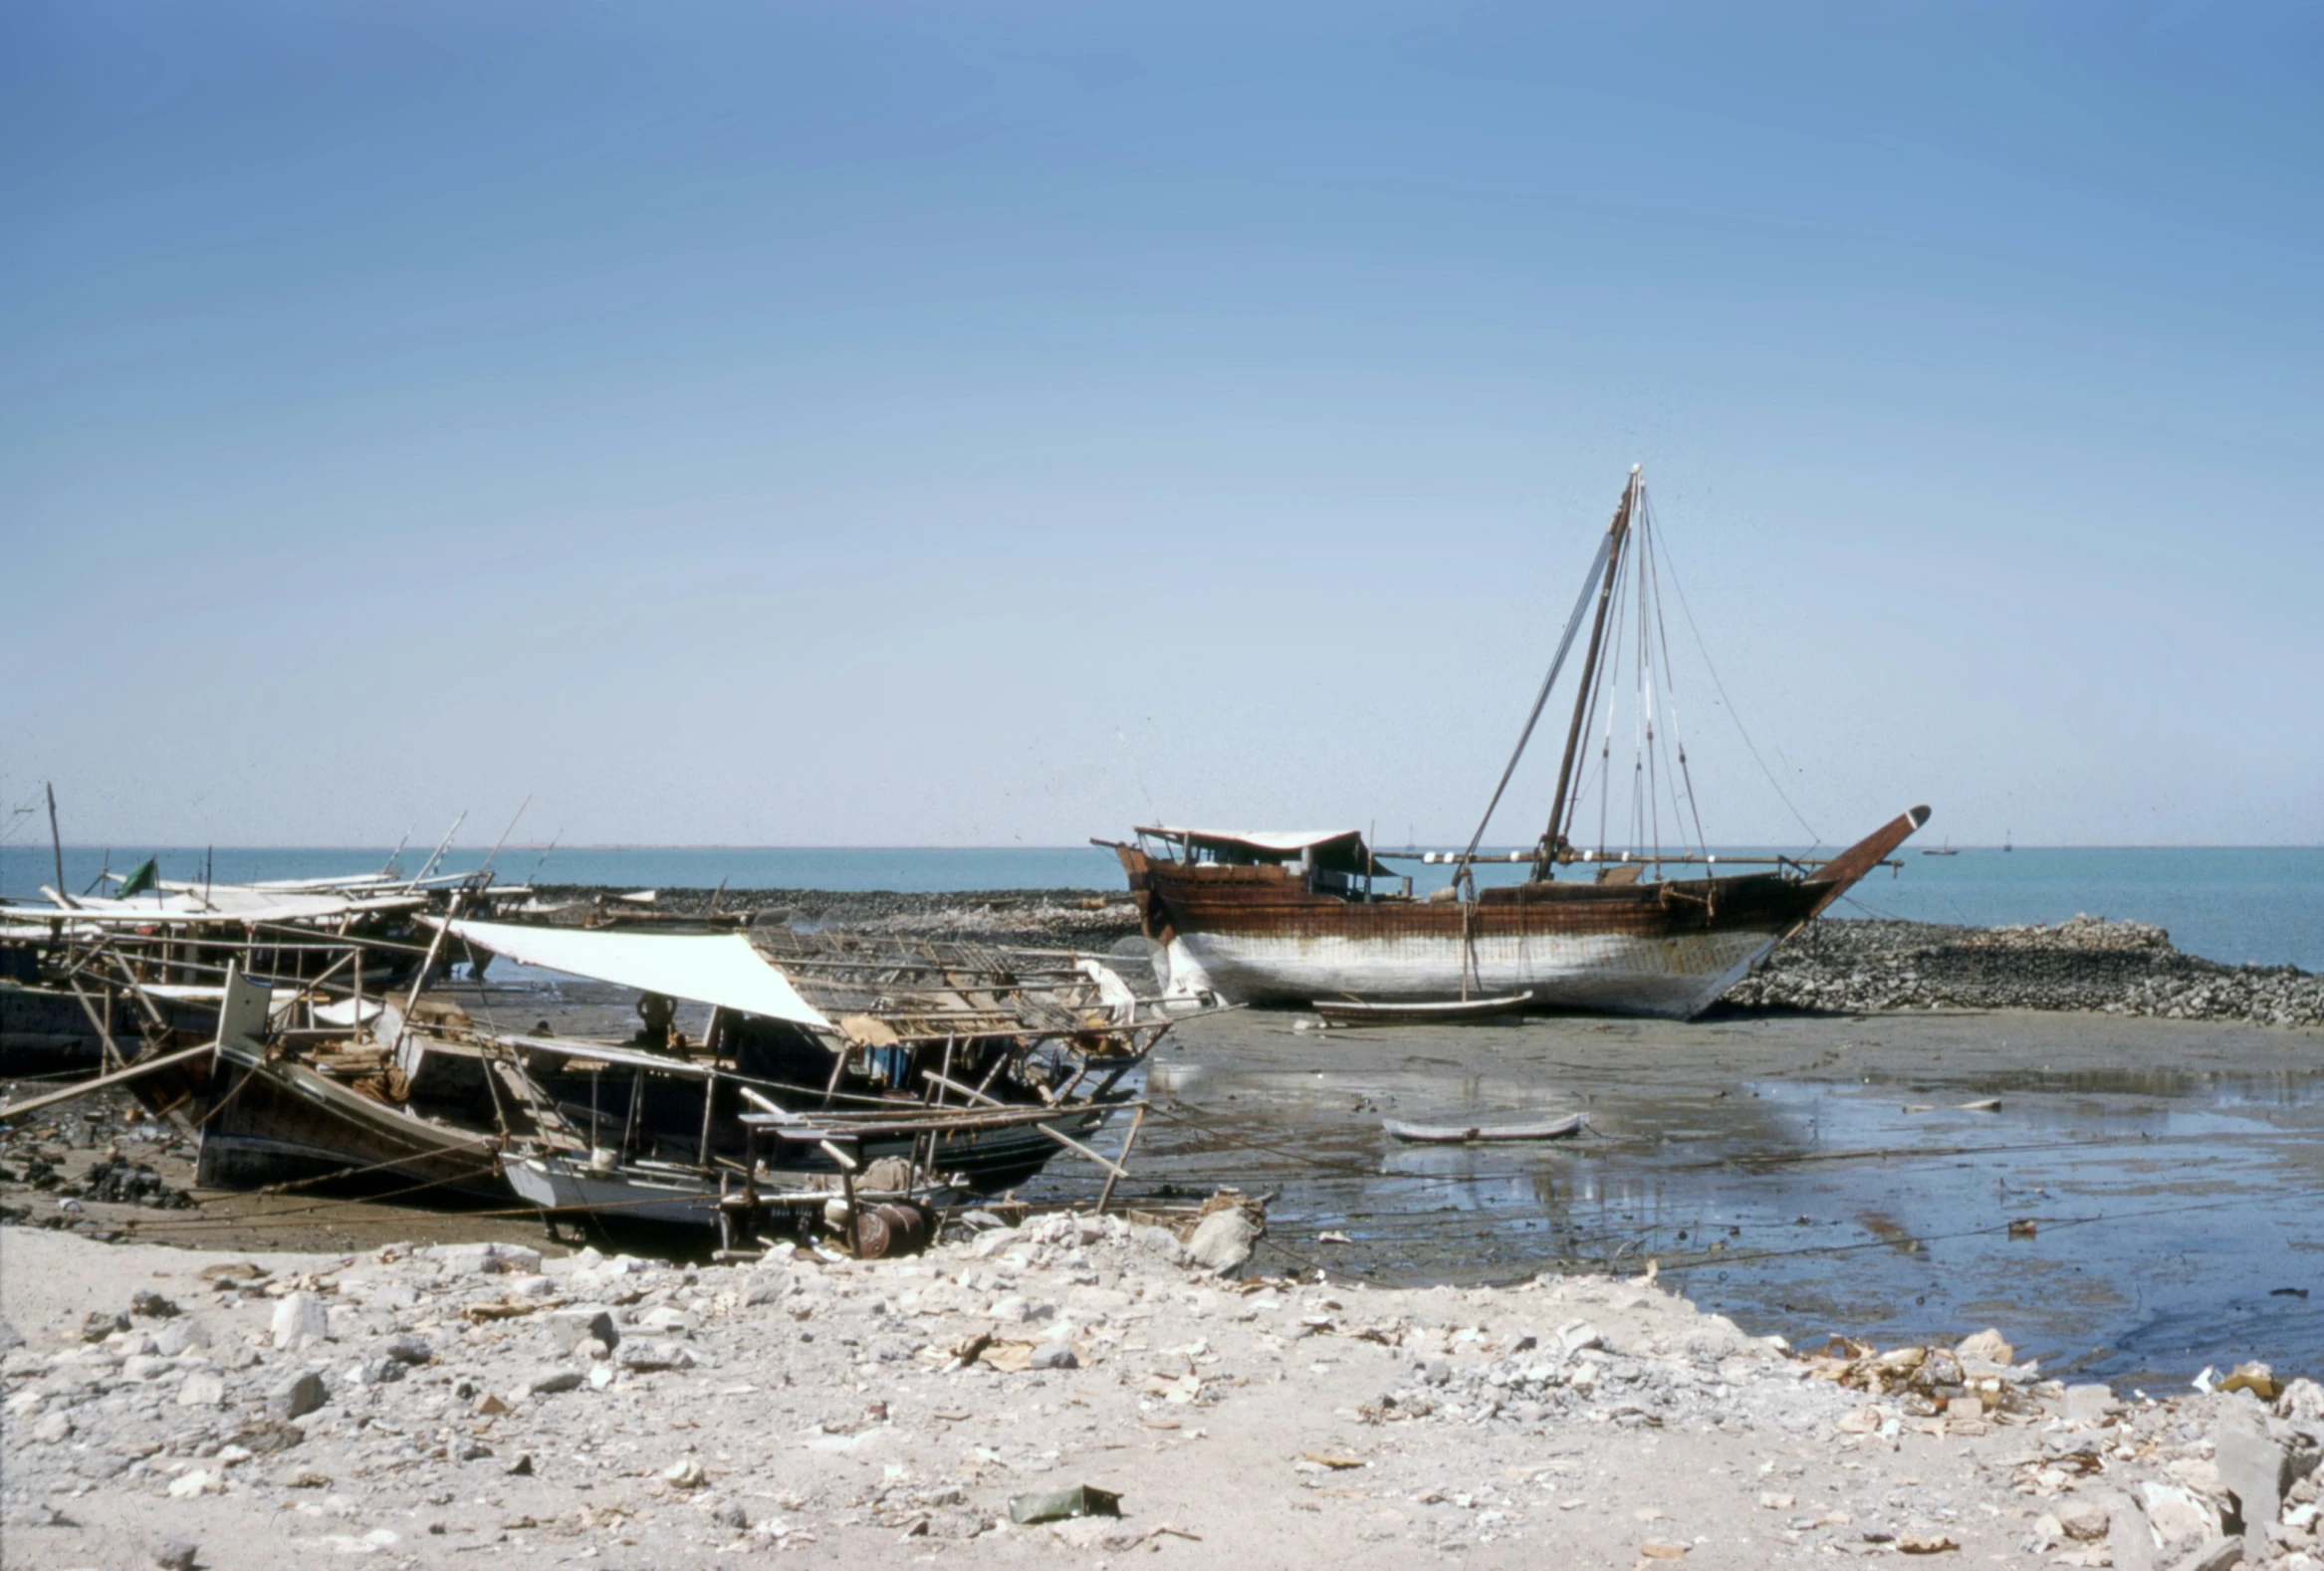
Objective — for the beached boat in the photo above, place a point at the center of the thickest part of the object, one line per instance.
(945, 1067)
(1443, 1012)
(1297, 918)
(1559, 1128)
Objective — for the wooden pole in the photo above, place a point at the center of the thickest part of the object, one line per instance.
(82, 1088)
(1122, 1157)
(1589, 668)
(1067, 1141)
(57, 844)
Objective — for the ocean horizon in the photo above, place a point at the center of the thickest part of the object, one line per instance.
(2251, 904)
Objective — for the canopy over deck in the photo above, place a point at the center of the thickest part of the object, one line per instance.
(1334, 850)
(719, 968)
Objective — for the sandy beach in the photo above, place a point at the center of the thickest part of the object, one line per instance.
(417, 1406)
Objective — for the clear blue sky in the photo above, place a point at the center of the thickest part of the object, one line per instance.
(944, 424)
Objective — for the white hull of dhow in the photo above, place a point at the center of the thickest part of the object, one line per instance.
(1673, 977)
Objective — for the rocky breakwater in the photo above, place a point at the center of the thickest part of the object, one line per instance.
(418, 1406)
(2119, 967)
(1089, 919)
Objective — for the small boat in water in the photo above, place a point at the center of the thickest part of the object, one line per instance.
(1443, 1012)
(1473, 1134)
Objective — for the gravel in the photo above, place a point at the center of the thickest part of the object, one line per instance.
(2090, 964)
(893, 1409)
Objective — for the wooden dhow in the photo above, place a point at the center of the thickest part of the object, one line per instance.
(1293, 917)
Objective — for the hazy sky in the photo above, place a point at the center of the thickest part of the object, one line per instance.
(956, 425)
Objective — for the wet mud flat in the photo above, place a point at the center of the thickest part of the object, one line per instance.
(2143, 1201)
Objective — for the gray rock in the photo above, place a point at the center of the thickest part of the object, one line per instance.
(642, 1357)
(409, 1350)
(2129, 1540)
(1580, 1335)
(54, 1429)
(10, 1338)
(2216, 1555)
(1159, 1240)
(2089, 1404)
(178, 1335)
(548, 1381)
(101, 1325)
(1053, 1355)
(297, 1396)
(2081, 1517)
(300, 1319)
(202, 1388)
(152, 1305)
(570, 1327)
(2253, 1465)
(176, 1554)
(486, 1259)
(379, 1372)
(1222, 1240)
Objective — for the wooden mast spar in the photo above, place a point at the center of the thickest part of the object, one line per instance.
(1617, 535)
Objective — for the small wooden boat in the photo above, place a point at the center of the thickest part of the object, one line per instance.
(1466, 1134)
(1448, 1012)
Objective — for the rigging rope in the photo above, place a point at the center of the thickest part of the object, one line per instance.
(1654, 565)
(1735, 715)
(1565, 646)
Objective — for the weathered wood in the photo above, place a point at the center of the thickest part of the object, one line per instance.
(118, 1077)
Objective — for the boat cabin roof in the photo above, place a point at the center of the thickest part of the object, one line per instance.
(1336, 850)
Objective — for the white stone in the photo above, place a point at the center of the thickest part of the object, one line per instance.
(202, 1388)
(1222, 1242)
(2179, 1517)
(1578, 1335)
(300, 1319)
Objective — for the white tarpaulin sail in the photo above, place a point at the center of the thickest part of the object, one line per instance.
(722, 969)
(1282, 841)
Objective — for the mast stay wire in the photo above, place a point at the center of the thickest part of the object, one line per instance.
(1735, 715)
(1650, 811)
(1557, 664)
(1686, 776)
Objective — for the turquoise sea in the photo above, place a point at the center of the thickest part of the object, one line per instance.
(2262, 905)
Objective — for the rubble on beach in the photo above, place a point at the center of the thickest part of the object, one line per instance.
(418, 1405)
(2087, 963)
(1092, 919)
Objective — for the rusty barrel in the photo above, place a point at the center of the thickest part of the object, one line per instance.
(890, 1228)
